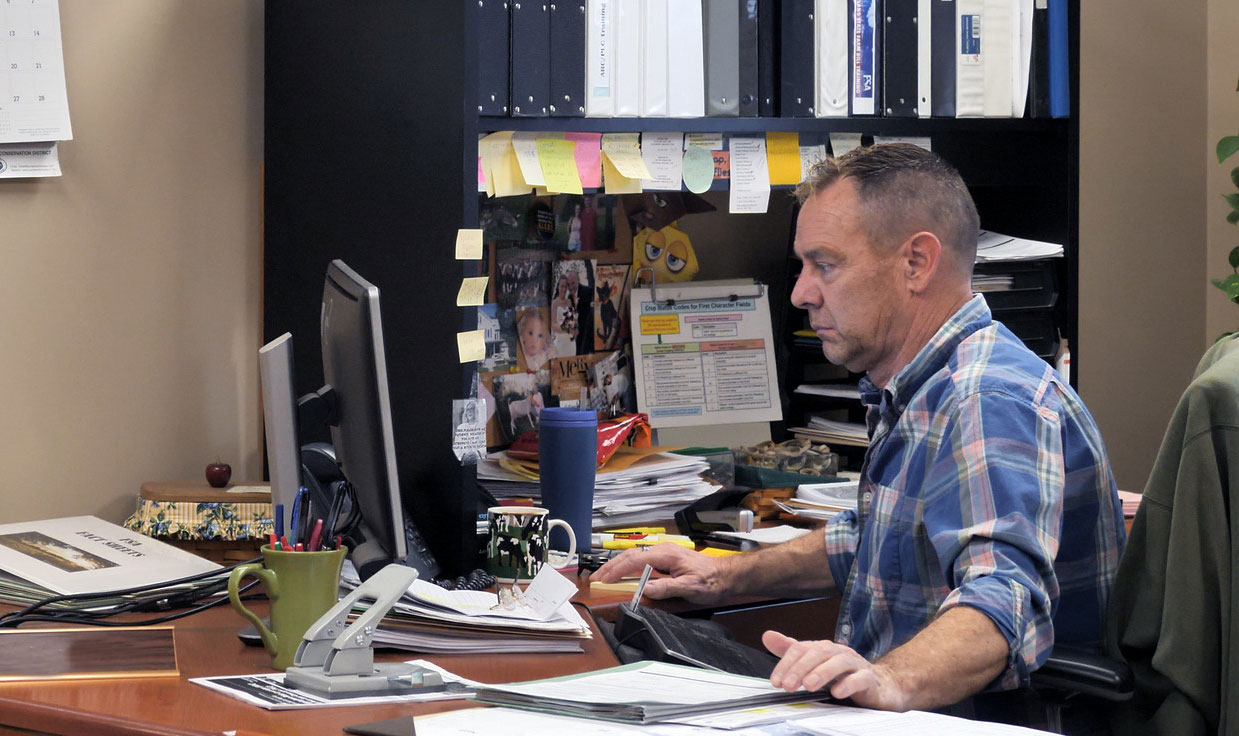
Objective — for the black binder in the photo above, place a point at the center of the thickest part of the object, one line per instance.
(567, 59)
(767, 58)
(531, 59)
(944, 53)
(748, 58)
(492, 57)
(796, 59)
(1039, 65)
(899, 62)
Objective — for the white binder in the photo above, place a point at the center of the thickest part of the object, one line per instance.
(654, 58)
(599, 55)
(686, 97)
(831, 21)
(627, 60)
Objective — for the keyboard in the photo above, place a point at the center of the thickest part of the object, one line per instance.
(669, 638)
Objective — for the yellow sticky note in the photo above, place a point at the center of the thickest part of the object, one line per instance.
(471, 346)
(506, 176)
(472, 292)
(660, 324)
(558, 158)
(491, 149)
(613, 182)
(468, 244)
(624, 150)
(783, 157)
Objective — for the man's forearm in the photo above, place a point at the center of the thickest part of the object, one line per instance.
(798, 567)
(957, 655)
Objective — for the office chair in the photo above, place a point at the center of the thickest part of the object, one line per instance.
(1170, 637)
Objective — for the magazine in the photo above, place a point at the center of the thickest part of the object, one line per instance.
(83, 554)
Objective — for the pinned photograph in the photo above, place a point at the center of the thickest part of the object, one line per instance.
(572, 315)
(533, 338)
(519, 401)
(499, 330)
(469, 430)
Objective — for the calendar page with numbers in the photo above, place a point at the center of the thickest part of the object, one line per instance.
(33, 103)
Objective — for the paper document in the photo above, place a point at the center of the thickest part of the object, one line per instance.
(769, 534)
(34, 105)
(705, 357)
(992, 246)
(29, 160)
(82, 554)
(750, 177)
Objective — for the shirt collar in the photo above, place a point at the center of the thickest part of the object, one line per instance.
(972, 316)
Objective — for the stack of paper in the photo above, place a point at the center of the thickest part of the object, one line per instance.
(634, 486)
(830, 431)
(833, 389)
(993, 246)
(433, 620)
(1131, 502)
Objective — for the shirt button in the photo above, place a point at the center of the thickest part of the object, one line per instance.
(846, 629)
(868, 496)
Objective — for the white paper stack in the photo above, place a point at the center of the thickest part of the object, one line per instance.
(992, 246)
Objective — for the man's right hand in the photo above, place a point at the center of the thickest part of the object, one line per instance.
(690, 575)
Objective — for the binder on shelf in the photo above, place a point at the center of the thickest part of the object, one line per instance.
(685, 56)
(626, 73)
(767, 59)
(998, 45)
(654, 58)
(567, 51)
(599, 57)
(1039, 63)
(721, 35)
(924, 58)
(866, 55)
(1021, 69)
(969, 68)
(900, 50)
(493, 56)
(1060, 61)
(531, 60)
(944, 48)
(832, 61)
(796, 63)
(749, 59)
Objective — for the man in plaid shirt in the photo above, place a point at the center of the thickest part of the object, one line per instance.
(987, 525)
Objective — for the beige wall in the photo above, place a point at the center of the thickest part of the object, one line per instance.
(1142, 218)
(1221, 315)
(131, 284)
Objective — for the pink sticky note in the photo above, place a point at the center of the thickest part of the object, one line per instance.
(588, 158)
(481, 174)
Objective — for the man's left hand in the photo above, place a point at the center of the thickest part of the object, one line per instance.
(825, 664)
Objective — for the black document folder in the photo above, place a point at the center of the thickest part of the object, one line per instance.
(945, 50)
(493, 57)
(567, 59)
(531, 59)
(899, 62)
(767, 58)
(1039, 64)
(796, 59)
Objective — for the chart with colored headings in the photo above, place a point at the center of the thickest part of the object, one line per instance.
(33, 101)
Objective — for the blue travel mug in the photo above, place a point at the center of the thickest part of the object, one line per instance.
(567, 459)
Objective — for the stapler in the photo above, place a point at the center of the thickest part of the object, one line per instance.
(337, 661)
(718, 512)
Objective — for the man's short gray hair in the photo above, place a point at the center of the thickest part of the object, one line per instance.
(904, 189)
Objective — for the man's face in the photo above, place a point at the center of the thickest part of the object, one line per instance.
(848, 289)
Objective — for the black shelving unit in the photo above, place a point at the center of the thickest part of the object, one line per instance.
(371, 129)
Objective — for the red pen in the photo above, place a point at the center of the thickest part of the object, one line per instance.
(300, 548)
(285, 545)
(316, 536)
(272, 542)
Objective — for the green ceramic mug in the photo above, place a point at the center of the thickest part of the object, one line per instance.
(301, 586)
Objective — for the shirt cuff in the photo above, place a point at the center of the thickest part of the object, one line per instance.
(1008, 604)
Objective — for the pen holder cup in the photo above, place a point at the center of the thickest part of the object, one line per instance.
(301, 586)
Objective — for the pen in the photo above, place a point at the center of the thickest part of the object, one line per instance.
(316, 536)
(279, 520)
(273, 541)
(302, 493)
(284, 544)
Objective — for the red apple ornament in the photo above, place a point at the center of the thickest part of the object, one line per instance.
(218, 474)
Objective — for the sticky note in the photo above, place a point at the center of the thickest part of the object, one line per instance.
(491, 149)
(662, 153)
(471, 346)
(624, 150)
(698, 169)
(750, 182)
(472, 292)
(588, 155)
(468, 244)
(559, 165)
(783, 157)
(616, 183)
(841, 143)
(506, 175)
(526, 147)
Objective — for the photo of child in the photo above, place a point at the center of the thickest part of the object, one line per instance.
(534, 338)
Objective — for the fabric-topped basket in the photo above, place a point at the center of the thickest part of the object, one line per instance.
(224, 525)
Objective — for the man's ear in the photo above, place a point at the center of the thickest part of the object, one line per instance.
(920, 258)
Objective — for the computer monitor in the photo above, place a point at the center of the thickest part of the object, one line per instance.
(279, 410)
(355, 372)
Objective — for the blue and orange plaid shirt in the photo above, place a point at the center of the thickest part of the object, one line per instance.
(985, 484)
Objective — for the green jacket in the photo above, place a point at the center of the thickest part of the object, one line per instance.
(1170, 614)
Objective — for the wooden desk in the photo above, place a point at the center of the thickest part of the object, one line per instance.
(207, 644)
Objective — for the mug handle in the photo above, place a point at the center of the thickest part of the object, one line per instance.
(571, 536)
(273, 593)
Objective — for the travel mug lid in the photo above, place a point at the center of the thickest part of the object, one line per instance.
(563, 416)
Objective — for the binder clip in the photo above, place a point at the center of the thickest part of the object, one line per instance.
(337, 661)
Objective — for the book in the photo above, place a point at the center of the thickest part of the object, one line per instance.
(84, 554)
(642, 692)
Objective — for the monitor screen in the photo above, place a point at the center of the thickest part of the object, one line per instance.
(279, 410)
(355, 370)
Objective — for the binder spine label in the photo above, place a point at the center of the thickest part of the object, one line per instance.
(970, 39)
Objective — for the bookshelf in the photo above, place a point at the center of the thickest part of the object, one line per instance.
(370, 156)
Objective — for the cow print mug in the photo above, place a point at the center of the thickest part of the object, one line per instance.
(517, 541)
